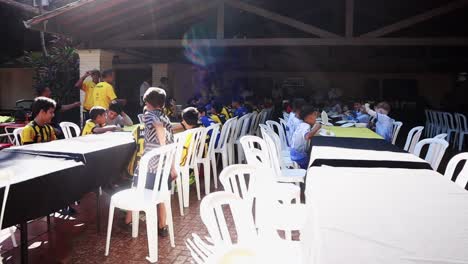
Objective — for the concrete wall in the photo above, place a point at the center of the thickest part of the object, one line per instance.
(15, 84)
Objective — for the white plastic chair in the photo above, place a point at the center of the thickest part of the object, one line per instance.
(199, 249)
(140, 118)
(252, 127)
(142, 199)
(206, 156)
(428, 124)
(284, 156)
(413, 138)
(284, 124)
(462, 178)
(17, 136)
(240, 130)
(451, 127)
(224, 140)
(282, 135)
(285, 116)
(435, 152)
(183, 178)
(435, 123)
(212, 215)
(396, 129)
(441, 136)
(5, 182)
(67, 128)
(461, 120)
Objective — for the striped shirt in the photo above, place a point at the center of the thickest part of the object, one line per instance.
(150, 118)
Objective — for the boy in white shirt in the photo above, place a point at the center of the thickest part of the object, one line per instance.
(384, 124)
(293, 119)
(305, 130)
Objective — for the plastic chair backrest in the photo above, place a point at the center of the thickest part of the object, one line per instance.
(239, 179)
(140, 118)
(9, 133)
(253, 119)
(164, 156)
(5, 182)
(284, 124)
(263, 116)
(242, 127)
(17, 135)
(441, 136)
(195, 135)
(67, 128)
(396, 129)
(200, 144)
(256, 151)
(214, 129)
(276, 164)
(450, 121)
(413, 138)
(462, 178)
(212, 215)
(282, 135)
(435, 152)
(462, 122)
(226, 132)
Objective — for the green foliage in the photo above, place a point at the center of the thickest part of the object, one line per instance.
(59, 70)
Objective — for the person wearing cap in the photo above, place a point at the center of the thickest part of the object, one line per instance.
(88, 86)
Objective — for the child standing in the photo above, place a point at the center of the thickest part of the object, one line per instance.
(384, 124)
(305, 130)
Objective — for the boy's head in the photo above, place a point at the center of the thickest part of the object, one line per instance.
(190, 116)
(298, 103)
(357, 106)
(383, 108)
(216, 108)
(98, 115)
(115, 109)
(108, 75)
(43, 109)
(309, 114)
(154, 98)
(237, 102)
(43, 90)
(201, 110)
(95, 75)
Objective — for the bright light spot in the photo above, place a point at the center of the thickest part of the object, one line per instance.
(78, 225)
(35, 245)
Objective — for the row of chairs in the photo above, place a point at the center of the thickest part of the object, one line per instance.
(438, 122)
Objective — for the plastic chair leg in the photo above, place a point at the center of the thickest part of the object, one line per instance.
(109, 228)
(215, 172)
(185, 187)
(206, 173)
(179, 194)
(225, 159)
(170, 222)
(152, 233)
(460, 142)
(135, 223)
(197, 181)
(12, 236)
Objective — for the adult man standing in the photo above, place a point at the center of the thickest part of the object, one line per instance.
(103, 93)
(87, 87)
(143, 87)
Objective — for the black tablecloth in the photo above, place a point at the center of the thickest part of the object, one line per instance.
(46, 194)
(363, 144)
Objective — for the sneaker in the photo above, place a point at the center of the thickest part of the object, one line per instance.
(163, 232)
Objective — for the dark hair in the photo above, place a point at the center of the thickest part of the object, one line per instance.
(307, 110)
(116, 107)
(201, 109)
(95, 71)
(249, 108)
(42, 103)
(298, 103)
(40, 88)
(155, 96)
(238, 99)
(217, 107)
(107, 72)
(190, 116)
(96, 111)
(385, 106)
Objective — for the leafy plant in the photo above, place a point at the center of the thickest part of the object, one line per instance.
(59, 69)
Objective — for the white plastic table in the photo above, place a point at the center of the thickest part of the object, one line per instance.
(376, 215)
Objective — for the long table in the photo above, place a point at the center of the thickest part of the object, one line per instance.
(375, 215)
(50, 176)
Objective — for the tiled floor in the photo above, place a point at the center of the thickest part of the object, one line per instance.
(76, 240)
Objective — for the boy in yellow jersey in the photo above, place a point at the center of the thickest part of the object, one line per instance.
(216, 114)
(139, 137)
(103, 93)
(97, 122)
(39, 130)
(87, 86)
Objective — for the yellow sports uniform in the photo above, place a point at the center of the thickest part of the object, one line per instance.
(226, 113)
(88, 87)
(34, 133)
(103, 94)
(88, 128)
(188, 140)
(139, 137)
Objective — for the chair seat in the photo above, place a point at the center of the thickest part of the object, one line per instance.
(287, 191)
(132, 200)
(292, 175)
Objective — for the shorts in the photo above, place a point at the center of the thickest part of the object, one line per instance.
(150, 178)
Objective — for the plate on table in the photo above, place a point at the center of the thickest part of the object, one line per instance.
(326, 133)
(347, 125)
(335, 116)
(342, 122)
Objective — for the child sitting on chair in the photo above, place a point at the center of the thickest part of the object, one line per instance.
(293, 119)
(305, 130)
(97, 122)
(117, 117)
(384, 124)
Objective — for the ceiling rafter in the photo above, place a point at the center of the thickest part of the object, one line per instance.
(416, 19)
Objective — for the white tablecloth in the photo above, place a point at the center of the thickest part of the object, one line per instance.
(388, 216)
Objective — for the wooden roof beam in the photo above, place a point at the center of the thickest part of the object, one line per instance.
(265, 42)
(405, 23)
(349, 20)
(282, 19)
(23, 7)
